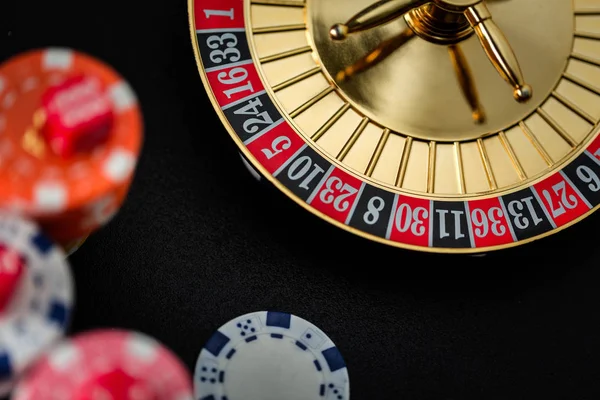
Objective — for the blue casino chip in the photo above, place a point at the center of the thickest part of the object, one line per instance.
(270, 356)
(38, 312)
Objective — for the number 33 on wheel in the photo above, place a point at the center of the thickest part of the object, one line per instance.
(451, 126)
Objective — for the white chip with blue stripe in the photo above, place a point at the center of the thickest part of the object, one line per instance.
(38, 312)
(270, 356)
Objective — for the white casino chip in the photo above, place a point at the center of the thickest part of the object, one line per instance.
(37, 296)
(270, 356)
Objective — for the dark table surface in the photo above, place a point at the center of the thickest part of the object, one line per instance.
(199, 242)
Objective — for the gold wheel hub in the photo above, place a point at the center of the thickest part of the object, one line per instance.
(436, 25)
(439, 80)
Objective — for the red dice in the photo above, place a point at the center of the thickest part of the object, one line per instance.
(78, 115)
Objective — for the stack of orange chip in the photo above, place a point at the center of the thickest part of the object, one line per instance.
(70, 137)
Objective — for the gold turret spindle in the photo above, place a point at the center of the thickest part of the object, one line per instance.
(380, 13)
(498, 50)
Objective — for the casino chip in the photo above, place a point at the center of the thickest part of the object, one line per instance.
(107, 365)
(270, 356)
(36, 296)
(71, 133)
(73, 246)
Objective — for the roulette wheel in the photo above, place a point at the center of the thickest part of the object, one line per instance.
(451, 126)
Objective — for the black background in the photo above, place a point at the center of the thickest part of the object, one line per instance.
(199, 242)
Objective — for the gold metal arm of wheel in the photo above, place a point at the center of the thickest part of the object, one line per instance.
(380, 13)
(498, 50)
(493, 41)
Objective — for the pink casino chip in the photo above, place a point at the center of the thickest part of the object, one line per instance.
(107, 365)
